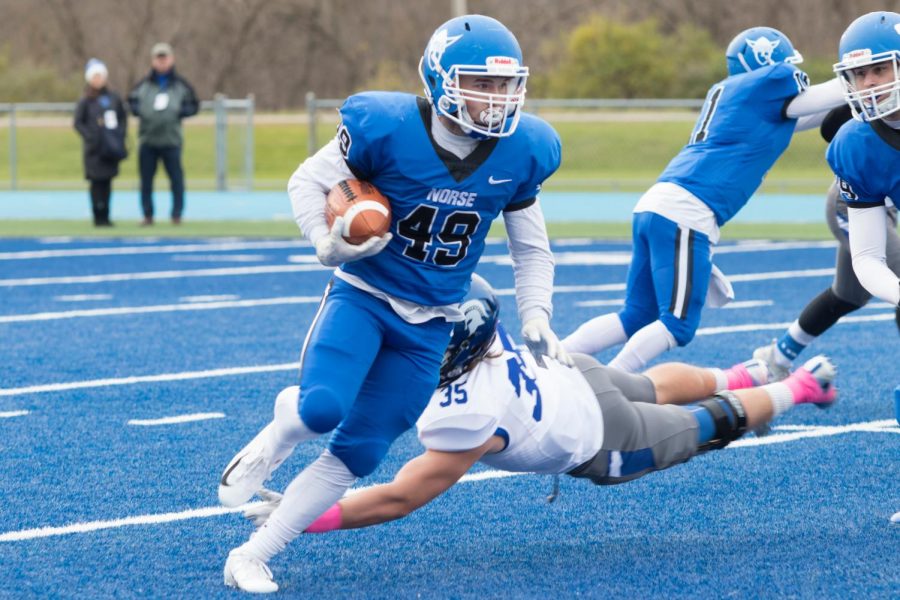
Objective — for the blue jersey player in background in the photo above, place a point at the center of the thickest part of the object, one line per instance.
(745, 124)
(865, 153)
(449, 164)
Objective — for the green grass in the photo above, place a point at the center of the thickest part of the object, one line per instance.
(601, 155)
(205, 229)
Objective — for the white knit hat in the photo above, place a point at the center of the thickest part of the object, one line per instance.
(94, 66)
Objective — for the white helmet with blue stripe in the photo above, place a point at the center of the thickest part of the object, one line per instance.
(480, 46)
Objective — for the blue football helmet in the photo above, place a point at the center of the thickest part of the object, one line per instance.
(472, 337)
(759, 47)
(480, 46)
(870, 65)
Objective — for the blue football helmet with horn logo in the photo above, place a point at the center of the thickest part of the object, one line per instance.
(483, 47)
(759, 47)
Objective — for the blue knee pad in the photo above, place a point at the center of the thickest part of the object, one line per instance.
(635, 318)
(320, 408)
(363, 456)
(683, 330)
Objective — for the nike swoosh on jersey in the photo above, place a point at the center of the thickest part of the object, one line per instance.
(493, 181)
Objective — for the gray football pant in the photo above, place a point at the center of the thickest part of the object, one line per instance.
(639, 436)
(845, 285)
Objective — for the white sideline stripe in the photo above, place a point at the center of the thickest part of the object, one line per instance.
(815, 432)
(162, 275)
(750, 246)
(610, 302)
(781, 274)
(83, 297)
(778, 326)
(178, 419)
(317, 267)
(58, 387)
(13, 413)
(172, 248)
(136, 310)
(763, 246)
(215, 511)
(75, 385)
(748, 304)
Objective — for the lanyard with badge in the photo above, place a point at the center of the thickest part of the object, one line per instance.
(161, 101)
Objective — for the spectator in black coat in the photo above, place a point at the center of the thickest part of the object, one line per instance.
(101, 119)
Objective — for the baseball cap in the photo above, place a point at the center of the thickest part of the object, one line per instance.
(161, 49)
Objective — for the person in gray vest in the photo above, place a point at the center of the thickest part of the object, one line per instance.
(161, 100)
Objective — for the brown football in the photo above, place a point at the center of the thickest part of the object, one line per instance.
(366, 211)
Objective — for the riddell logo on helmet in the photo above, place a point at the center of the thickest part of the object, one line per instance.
(857, 55)
(502, 64)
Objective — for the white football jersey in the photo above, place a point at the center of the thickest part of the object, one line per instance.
(549, 417)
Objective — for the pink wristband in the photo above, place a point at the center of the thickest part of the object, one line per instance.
(739, 377)
(328, 521)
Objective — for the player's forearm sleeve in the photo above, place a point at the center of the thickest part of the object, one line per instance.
(529, 249)
(309, 185)
(817, 98)
(868, 238)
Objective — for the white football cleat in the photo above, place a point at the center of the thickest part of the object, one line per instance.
(247, 471)
(767, 355)
(244, 572)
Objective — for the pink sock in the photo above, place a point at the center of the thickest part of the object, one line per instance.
(328, 521)
(801, 382)
(739, 377)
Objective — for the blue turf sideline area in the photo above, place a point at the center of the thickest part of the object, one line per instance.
(133, 370)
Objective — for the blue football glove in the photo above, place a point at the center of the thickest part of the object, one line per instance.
(541, 341)
(333, 250)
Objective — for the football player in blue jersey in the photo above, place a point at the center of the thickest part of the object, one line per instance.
(745, 124)
(865, 153)
(450, 164)
(845, 294)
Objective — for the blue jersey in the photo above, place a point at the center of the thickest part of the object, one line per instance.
(441, 206)
(741, 132)
(866, 159)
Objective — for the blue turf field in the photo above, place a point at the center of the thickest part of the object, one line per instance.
(98, 333)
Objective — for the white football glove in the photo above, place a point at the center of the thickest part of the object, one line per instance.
(541, 341)
(333, 250)
(260, 512)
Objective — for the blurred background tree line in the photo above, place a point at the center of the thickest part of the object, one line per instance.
(281, 49)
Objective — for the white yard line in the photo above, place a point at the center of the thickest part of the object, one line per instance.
(13, 413)
(215, 511)
(95, 383)
(178, 419)
(778, 326)
(750, 246)
(167, 249)
(144, 275)
(159, 308)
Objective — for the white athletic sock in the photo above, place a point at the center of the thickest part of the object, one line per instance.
(597, 334)
(311, 493)
(644, 346)
(782, 397)
(721, 378)
(287, 428)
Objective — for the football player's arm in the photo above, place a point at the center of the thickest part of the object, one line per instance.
(420, 481)
(309, 185)
(811, 106)
(868, 238)
(529, 249)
